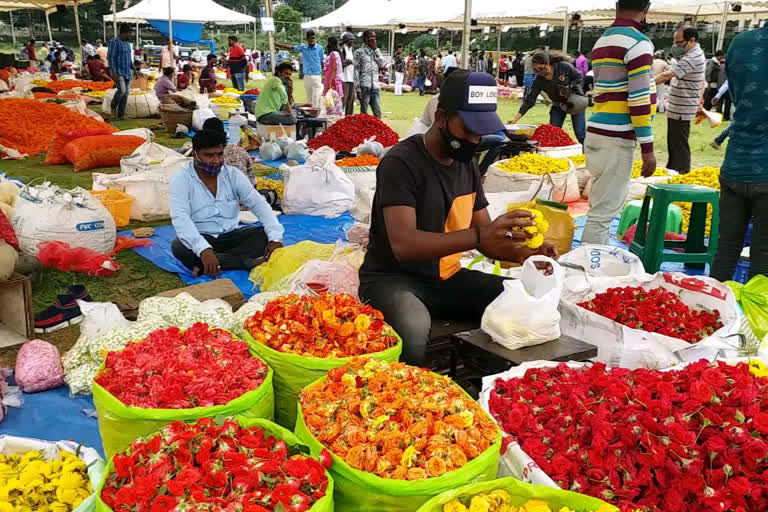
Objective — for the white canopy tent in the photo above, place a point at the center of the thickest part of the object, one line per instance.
(48, 6)
(190, 11)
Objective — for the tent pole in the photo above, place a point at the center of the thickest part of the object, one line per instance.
(103, 25)
(77, 28)
(13, 31)
(138, 40)
(466, 34)
(170, 38)
(581, 29)
(48, 24)
(498, 51)
(723, 22)
(254, 36)
(566, 26)
(437, 40)
(114, 17)
(392, 55)
(271, 36)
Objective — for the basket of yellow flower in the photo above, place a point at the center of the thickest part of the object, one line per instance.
(508, 494)
(58, 476)
(518, 173)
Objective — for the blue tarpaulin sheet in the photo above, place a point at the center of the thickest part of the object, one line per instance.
(297, 229)
(183, 31)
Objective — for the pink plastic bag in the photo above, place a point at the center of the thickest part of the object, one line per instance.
(38, 367)
(75, 259)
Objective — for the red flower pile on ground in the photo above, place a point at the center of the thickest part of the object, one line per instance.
(657, 310)
(252, 92)
(549, 136)
(171, 369)
(220, 87)
(349, 132)
(216, 468)
(692, 440)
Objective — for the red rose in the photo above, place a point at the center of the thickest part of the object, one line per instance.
(124, 465)
(163, 504)
(701, 392)
(760, 422)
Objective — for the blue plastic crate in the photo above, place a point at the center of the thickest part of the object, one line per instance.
(742, 272)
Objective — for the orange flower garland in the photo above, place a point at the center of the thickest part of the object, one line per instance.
(329, 326)
(28, 125)
(65, 85)
(396, 421)
(358, 161)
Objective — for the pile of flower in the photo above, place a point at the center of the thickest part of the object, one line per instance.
(276, 185)
(550, 136)
(40, 82)
(705, 176)
(349, 132)
(30, 482)
(693, 439)
(396, 421)
(86, 85)
(28, 126)
(538, 230)
(220, 87)
(232, 90)
(171, 369)
(505, 92)
(205, 466)
(637, 171)
(499, 500)
(358, 161)
(531, 163)
(97, 94)
(226, 100)
(657, 310)
(578, 160)
(252, 92)
(329, 326)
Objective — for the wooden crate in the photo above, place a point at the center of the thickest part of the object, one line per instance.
(16, 316)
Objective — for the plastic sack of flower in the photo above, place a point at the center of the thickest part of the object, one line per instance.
(275, 274)
(520, 493)
(297, 151)
(38, 367)
(52, 451)
(753, 298)
(526, 314)
(75, 259)
(370, 147)
(121, 424)
(364, 491)
(324, 504)
(270, 151)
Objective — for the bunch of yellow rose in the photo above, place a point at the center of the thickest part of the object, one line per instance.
(705, 176)
(578, 160)
(226, 100)
(531, 163)
(30, 483)
(277, 186)
(499, 501)
(232, 90)
(538, 230)
(40, 82)
(637, 171)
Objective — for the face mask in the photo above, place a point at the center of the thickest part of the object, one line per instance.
(677, 51)
(459, 149)
(209, 169)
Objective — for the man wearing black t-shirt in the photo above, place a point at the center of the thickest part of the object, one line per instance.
(429, 208)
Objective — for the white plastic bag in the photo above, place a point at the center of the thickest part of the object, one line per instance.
(364, 179)
(297, 150)
(139, 106)
(565, 185)
(318, 187)
(47, 213)
(589, 264)
(270, 151)
(370, 147)
(100, 317)
(525, 314)
(200, 116)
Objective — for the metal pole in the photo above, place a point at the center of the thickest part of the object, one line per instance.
(170, 37)
(138, 40)
(77, 28)
(498, 53)
(581, 29)
(392, 54)
(723, 23)
(104, 26)
(48, 24)
(13, 31)
(467, 34)
(114, 17)
(437, 40)
(566, 26)
(254, 36)
(271, 36)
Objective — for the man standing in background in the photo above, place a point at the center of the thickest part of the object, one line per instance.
(712, 76)
(449, 61)
(625, 103)
(398, 66)
(348, 61)
(121, 70)
(659, 66)
(683, 97)
(368, 62)
(581, 63)
(238, 65)
(528, 74)
(421, 77)
(312, 55)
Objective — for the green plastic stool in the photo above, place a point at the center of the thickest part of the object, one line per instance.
(631, 214)
(650, 246)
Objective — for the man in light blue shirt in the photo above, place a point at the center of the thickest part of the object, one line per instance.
(205, 208)
(312, 55)
(449, 62)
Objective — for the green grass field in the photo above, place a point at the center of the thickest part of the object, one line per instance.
(139, 279)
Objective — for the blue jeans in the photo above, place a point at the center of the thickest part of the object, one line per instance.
(238, 81)
(120, 100)
(720, 139)
(420, 83)
(492, 145)
(372, 97)
(557, 118)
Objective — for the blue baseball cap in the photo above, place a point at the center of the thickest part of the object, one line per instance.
(474, 97)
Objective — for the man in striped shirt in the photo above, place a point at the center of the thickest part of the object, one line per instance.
(683, 97)
(625, 103)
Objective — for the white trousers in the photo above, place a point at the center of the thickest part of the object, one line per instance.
(399, 83)
(313, 86)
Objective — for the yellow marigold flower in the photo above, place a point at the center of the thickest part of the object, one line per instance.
(480, 503)
(451, 506)
(535, 506)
